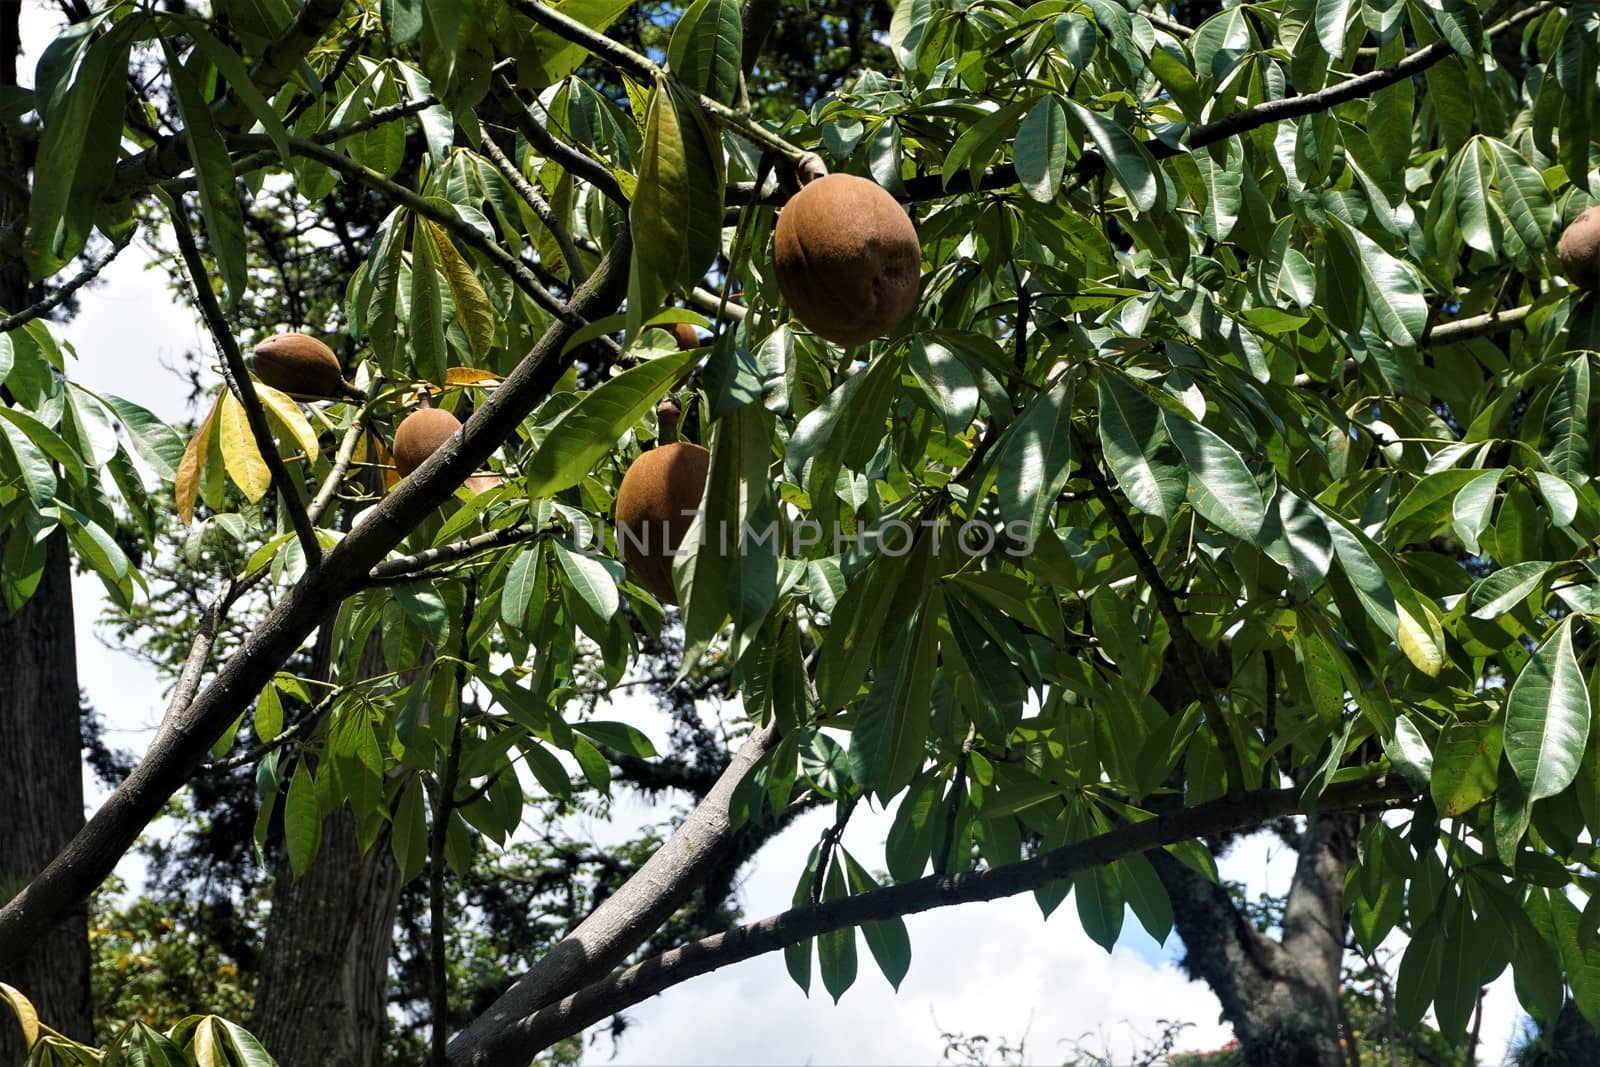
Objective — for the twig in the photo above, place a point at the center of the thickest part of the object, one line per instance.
(287, 734)
(515, 1039)
(443, 805)
(430, 210)
(541, 207)
(407, 567)
(61, 295)
(550, 146)
(1183, 641)
(347, 452)
(243, 388)
(1454, 331)
(627, 59)
(829, 842)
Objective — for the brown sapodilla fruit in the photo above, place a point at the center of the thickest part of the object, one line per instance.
(847, 259)
(300, 364)
(1580, 250)
(419, 436)
(685, 334)
(656, 504)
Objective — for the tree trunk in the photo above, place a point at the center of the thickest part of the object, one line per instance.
(323, 989)
(1281, 997)
(41, 792)
(324, 975)
(41, 776)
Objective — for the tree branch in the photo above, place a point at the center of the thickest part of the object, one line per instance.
(541, 207)
(407, 568)
(1183, 642)
(518, 1037)
(182, 743)
(621, 56)
(620, 924)
(552, 147)
(239, 381)
(346, 456)
(61, 295)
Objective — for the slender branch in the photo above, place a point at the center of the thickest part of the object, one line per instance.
(1188, 649)
(180, 747)
(541, 207)
(519, 1038)
(407, 567)
(717, 304)
(244, 388)
(373, 119)
(61, 295)
(430, 210)
(621, 923)
(627, 59)
(444, 804)
(1453, 331)
(287, 734)
(345, 457)
(552, 147)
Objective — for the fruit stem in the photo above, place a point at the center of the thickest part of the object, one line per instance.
(667, 415)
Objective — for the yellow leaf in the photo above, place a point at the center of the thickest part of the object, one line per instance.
(458, 376)
(239, 453)
(25, 1013)
(187, 486)
(1417, 643)
(474, 313)
(206, 1052)
(289, 416)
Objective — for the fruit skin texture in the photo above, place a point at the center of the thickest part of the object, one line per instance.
(847, 259)
(1580, 250)
(419, 436)
(656, 503)
(299, 363)
(685, 334)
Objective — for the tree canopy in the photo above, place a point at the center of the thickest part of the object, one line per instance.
(1235, 463)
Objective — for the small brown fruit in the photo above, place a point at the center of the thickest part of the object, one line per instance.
(1580, 250)
(685, 334)
(656, 504)
(300, 364)
(847, 259)
(419, 436)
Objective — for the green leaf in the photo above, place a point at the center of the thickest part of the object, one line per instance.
(946, 382)
(28, 463)
(408, 838)
(617, 735)
(1393, 287)
(797, 957)
(1036, 461)
(588, 431)
(706, 50)
(836, 949)
(269, 714)
(425, 608)
(1506, 589)
(429, 356)
(887, 940)
(1472, 506)
(219, 202)
(1132, 437)
(1464, 766)
(545, 56)
(302, 820)
(474, 312)
(1129, 161)
(1333, 19)
(888, 742)
(1547, 717)
(1408, 751)
(1100, 904)
(1568, 419)
(1221, 488)
(589, 578)
(1041, 150)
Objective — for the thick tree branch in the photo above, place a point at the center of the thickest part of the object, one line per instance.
(618, 926)
(182, 744)
(517, 1038)
(239, 381)
(61, 295)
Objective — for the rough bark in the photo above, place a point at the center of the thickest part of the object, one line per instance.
(1281, 997)
(41, 775)
(41, 794)
(324, 975)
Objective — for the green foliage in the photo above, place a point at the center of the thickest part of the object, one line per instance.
(1198, 378)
